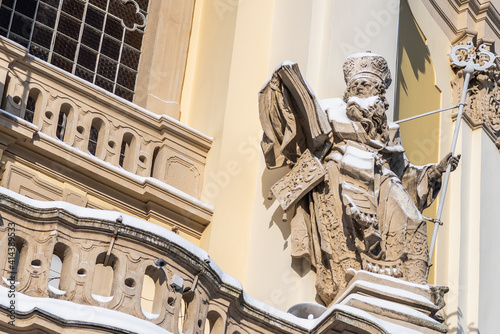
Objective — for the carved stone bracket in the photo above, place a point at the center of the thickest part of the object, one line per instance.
(483, 101)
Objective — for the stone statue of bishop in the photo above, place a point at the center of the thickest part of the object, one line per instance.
(357, 199)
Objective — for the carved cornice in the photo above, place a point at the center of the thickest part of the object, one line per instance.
(476, 9)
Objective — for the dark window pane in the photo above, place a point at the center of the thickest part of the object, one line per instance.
(69, 26)
(73, 8)
(91, 38)
(21, 26)
(61, 124)
(5, 17)
(110, 47)
(126, 77)
(65, 46)
(62, 63)
(54, 3)
(26, 7)
(99, 3)
(93, 137)
(134, 39)
(8, 3)
(124, 93)
(29, 113)
(87, 58)
(107, 68)
(24, 42)
(130, 57)
(42, 35)
(94, 17)
(39, 52)
(84, 74)
(143, 4)
(3, 32)
(46, 15)
(122, 153)
(114, 28)
(103, 83)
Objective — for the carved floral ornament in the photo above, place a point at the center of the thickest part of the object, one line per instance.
(483, 97)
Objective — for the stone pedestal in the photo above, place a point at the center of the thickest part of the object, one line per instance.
(394, 304)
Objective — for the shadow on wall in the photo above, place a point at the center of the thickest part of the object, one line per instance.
(460, 329)
(412, 43)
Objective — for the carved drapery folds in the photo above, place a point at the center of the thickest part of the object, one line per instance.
(483, 101)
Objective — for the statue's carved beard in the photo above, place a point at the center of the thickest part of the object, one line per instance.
(373, 119)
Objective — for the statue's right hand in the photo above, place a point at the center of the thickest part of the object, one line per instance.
(448, 159)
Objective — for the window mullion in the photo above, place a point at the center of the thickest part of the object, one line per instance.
(56, 26)
(11, 17)
(33, 24)
(80, 34)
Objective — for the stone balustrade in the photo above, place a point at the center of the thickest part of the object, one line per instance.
(105, 258)
(92, 120)
(109, 260)
(76, 127)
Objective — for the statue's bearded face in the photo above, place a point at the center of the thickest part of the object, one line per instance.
(366, 104)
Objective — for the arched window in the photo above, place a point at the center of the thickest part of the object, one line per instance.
(152, 291)
(31, 104)
(97, 40)
(62, 121)
(59, 274)
(104, 275)
(95, 130)
(127, 152)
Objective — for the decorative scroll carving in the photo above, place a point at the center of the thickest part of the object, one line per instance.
(483, 99)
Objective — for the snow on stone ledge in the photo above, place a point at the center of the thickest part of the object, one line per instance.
(127, 220)
(102, 316)
(84, 314)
